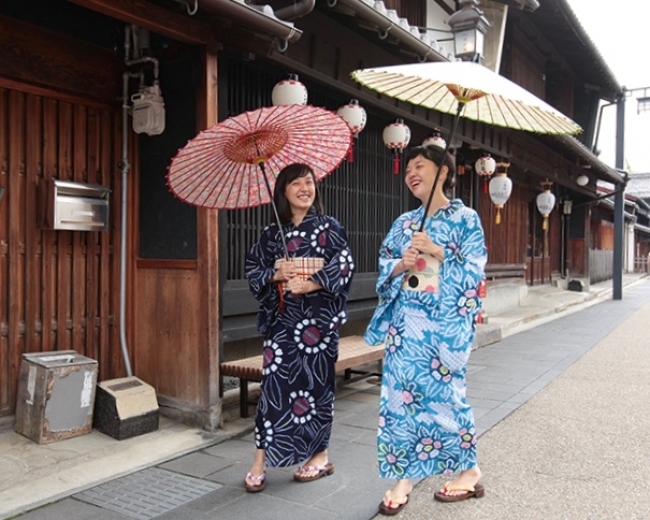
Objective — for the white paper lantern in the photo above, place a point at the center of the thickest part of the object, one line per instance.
(435, 140)
(396, 137)
(500, 190)
(355, 116)
(289, 91)
(485, 166)
(545, 202)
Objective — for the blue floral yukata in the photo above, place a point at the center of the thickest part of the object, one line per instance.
(426, 427)
(301, 339)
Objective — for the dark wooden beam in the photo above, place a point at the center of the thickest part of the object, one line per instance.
(157, 19)
(40, 61)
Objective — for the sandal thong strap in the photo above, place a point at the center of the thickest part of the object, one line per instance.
(259, 479)
(449, 486)
(307, 469)
(396, 503)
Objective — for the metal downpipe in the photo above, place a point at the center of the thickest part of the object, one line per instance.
(123, 222)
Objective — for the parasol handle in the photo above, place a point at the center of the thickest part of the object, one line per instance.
(275, 209)
(454, 124)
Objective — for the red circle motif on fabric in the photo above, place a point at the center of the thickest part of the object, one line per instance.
(300, 406)
(311, 336)
(268, 355)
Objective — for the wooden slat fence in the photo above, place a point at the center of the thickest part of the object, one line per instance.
(57, 288)
(601, 265)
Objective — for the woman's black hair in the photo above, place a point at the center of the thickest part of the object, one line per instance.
(287, 175)
(435, 153)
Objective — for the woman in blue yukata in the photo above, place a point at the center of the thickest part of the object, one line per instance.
(302, 305)
(426, 316)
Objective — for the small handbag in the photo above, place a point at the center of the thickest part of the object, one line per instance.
(305, 267)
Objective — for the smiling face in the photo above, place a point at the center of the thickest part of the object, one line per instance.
(420, 176)
(300, 193)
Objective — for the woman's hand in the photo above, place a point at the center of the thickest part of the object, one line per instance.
(422, 242)
(410, 257)
(408, 261)
(286, 271)
(299, 286)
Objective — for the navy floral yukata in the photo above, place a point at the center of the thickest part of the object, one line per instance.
(426, 426)
(301, 340)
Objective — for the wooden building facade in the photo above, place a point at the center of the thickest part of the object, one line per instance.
(187, 305)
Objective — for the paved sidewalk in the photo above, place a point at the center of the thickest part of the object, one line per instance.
(529, 460)
(579, 448)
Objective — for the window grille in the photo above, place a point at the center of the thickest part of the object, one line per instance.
(365, 196)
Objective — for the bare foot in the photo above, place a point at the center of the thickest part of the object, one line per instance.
(465, 480)
(317, 460)
(399, 494)
(254, 476)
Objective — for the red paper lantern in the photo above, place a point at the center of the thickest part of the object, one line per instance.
(396, 137)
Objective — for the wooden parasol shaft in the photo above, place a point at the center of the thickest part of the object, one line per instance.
(454, 124)
(275, 209)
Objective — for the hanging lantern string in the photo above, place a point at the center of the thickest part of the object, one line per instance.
(445, 154)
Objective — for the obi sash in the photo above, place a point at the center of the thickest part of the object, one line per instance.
(423, 276)
(305, 267)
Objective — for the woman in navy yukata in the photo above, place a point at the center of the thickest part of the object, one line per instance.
(302, 305)
(426, 316)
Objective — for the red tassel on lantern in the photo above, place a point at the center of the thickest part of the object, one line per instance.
(396, 165)
(396, 136)
(485, 167)
(355, 116)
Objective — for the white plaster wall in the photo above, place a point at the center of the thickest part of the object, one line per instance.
(630, 247)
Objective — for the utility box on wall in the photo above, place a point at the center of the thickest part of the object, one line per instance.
(56, 395)
(74, 206)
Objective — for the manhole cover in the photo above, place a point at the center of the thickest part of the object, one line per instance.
(148, 493)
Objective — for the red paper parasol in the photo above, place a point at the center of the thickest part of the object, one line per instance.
(224, 166)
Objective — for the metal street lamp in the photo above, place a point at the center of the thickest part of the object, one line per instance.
(643, 102)
(617, 285)
(469, 27)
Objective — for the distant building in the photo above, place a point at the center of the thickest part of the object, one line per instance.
(639, 185)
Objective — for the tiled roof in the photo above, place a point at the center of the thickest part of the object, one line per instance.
(638, 185)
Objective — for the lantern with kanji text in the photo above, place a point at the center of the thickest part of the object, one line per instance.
(485, 167)
(500, 189)
(545, 202)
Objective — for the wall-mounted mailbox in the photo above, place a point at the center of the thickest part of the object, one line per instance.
(75, 206)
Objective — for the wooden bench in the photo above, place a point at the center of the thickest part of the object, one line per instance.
(353, 352)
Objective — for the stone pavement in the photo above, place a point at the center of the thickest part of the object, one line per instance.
(573, 449)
